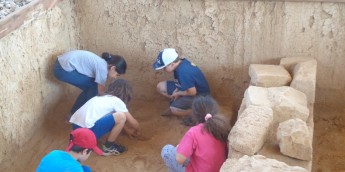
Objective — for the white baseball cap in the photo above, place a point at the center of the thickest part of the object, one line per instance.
(164, 58)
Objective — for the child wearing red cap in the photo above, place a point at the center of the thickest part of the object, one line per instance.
(82, 142)
(108, 113)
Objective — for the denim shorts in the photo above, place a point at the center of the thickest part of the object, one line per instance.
(184, 102)
(102, 126)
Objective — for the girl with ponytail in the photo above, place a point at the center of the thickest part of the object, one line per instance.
(88, 72)
(204, 146)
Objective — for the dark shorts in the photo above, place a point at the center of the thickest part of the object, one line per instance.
(102, 126)
(184, 102)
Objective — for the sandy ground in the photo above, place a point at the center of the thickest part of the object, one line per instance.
(144, 155)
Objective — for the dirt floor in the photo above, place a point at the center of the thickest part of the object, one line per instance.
(144, 155)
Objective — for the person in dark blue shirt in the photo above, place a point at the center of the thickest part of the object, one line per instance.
(189, 81)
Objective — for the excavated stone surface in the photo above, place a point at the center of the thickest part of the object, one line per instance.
(286, 102)
(268, 75)
(295, 139)
(258, 163)
(304, 79)
(289, 63)
(250, 131)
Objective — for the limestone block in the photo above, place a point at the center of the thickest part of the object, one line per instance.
(234, 153)
(258, 163)
(268, 75)
(288, 103)
(304, 79)
(242, 107)
(250, 131)
(295, 139)
(289, 62)
(257, 96)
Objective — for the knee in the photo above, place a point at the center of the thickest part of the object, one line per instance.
(161, 86)
(119, 117)
(166, 151)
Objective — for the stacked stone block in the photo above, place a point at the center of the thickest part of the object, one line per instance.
(288, 91)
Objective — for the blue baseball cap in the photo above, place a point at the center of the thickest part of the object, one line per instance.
(164, 58)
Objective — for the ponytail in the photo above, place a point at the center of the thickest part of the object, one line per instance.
(106, 56)
(115, 60)
(218, 126)
(206, 110)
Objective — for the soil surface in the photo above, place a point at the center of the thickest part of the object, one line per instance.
(144, 155)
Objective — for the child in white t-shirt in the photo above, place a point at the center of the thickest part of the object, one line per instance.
(108, 113)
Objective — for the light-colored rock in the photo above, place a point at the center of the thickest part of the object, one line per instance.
(258, 163)
(289, 62)
(242, 107)
(232, 153)
(257, 96)
(304, 79)
(250, 131)
(295, 139)
(268, 75)
(288, 103)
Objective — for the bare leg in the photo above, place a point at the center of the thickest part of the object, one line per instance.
(120, 120)
(162, 89)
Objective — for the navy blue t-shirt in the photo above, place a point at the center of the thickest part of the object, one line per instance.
(188, 75)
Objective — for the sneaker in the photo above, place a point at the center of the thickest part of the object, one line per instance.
(114, 149)
(188, 121)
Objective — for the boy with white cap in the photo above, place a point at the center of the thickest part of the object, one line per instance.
(189, 81)
(82, 142)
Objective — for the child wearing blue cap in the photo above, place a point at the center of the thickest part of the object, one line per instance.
(189, 81)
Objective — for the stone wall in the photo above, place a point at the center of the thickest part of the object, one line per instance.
(28, 89)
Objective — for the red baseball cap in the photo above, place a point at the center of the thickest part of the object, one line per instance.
(84, 138)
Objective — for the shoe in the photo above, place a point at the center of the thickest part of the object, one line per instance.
(188, 121)
(114, 149)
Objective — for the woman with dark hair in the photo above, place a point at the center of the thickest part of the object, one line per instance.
(88, 71)
(204, 146)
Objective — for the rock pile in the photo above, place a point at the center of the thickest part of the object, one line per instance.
(274, 128)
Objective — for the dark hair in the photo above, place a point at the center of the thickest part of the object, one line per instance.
(115, 60)
(121, 89)
(76, 148)
(217, 125)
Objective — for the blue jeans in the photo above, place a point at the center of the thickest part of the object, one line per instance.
(87, 84)
(169, 157)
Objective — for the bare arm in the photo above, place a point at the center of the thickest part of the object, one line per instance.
(189, 92)
(180, 158)
(101, 89)
(133, 123)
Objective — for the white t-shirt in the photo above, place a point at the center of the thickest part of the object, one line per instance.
(95, 109)
(86, 63)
